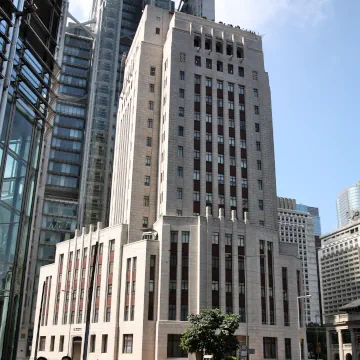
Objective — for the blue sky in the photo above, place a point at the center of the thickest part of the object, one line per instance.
(312, 56)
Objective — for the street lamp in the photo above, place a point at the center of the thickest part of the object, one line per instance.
(298, 311)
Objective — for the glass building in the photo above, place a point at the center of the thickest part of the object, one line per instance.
(28, 70)
(314, 212)
(347, 203)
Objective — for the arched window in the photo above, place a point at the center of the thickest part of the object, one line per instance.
(197, 41)
(229, 50)
(240, 52)
(219, 47)
(348, 357)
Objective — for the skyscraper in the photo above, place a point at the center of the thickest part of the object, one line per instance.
(193, 157)
(348, 204)
(58, 186)
(202, 8)
(28, 78)
(298, 227)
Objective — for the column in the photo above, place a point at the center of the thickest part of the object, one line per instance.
(341, 350)
(353, 344)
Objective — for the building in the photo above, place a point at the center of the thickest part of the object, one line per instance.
(202, 8)
(77, 155)
(343, 333)
(339, 268)
(347, 204)
(58, 194)
(187, 243)
(298, 227)
(28, 72)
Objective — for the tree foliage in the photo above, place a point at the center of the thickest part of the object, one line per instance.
(213, 331)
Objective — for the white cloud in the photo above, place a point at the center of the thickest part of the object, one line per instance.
(264, 15)
(80, 9)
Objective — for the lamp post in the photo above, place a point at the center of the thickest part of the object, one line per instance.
(298, 311)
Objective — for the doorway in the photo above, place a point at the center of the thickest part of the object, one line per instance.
(76, 353)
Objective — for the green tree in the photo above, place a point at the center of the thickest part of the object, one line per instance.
(212, 331)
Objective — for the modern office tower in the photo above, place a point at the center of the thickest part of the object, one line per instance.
(298, 227)
(202, 8)
(28, 72)
(340, 267)
(58, 194)
(348, 204)
(185, 244)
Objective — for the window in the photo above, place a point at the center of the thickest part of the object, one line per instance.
(182, 93)
(181, 111)
(184, 313)
(148, 141)
(151, 105)
(220, 85)
(233, 201)
(243, 144)
(109, 291)
(146, 201)
(179, 193)
(241, 240)
(208, 82)
(197, 60)
(209, 156)
(261, 205)
(243, 163)
(197, 116)
(92, 343)
(231, 105)
(148, 161)
(228, 240)
(147, 180)
(196, 175)
(185, 235)
(104, 343)
(196, 196)
(209, 198)
(231, 69)
(208, 63)
(196, 135)
(181, 131)
(287, 348)
(197, 79)
(255, 75)
(259, 164)
(269, 348)
(219, 66)
(197, 154)
(215, 238)
(96, 316)
(256, 110)
(232, 161)
(127, 344)
(242, 107)
(145, 222)
(220, 158)
(256, 92)
(197, 98)
(220, 139)
(152, 71)
(179, 212)
(260, 185)
(61, 344)
(107, 314)
(157, 31)
(180, 171)
(228, 286)
(182, 75)
(208, 100)
(231, 141)
(220, 103)
(215, 286)
(232, 180)
(231, 123)
(208, 118)
(221, 179)
(241, 71)
(172, 312)
(257, 127)
(173, 347)
(42, 343)
(152, 88)
(180, 151)
(52, 343)
(258, 146)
